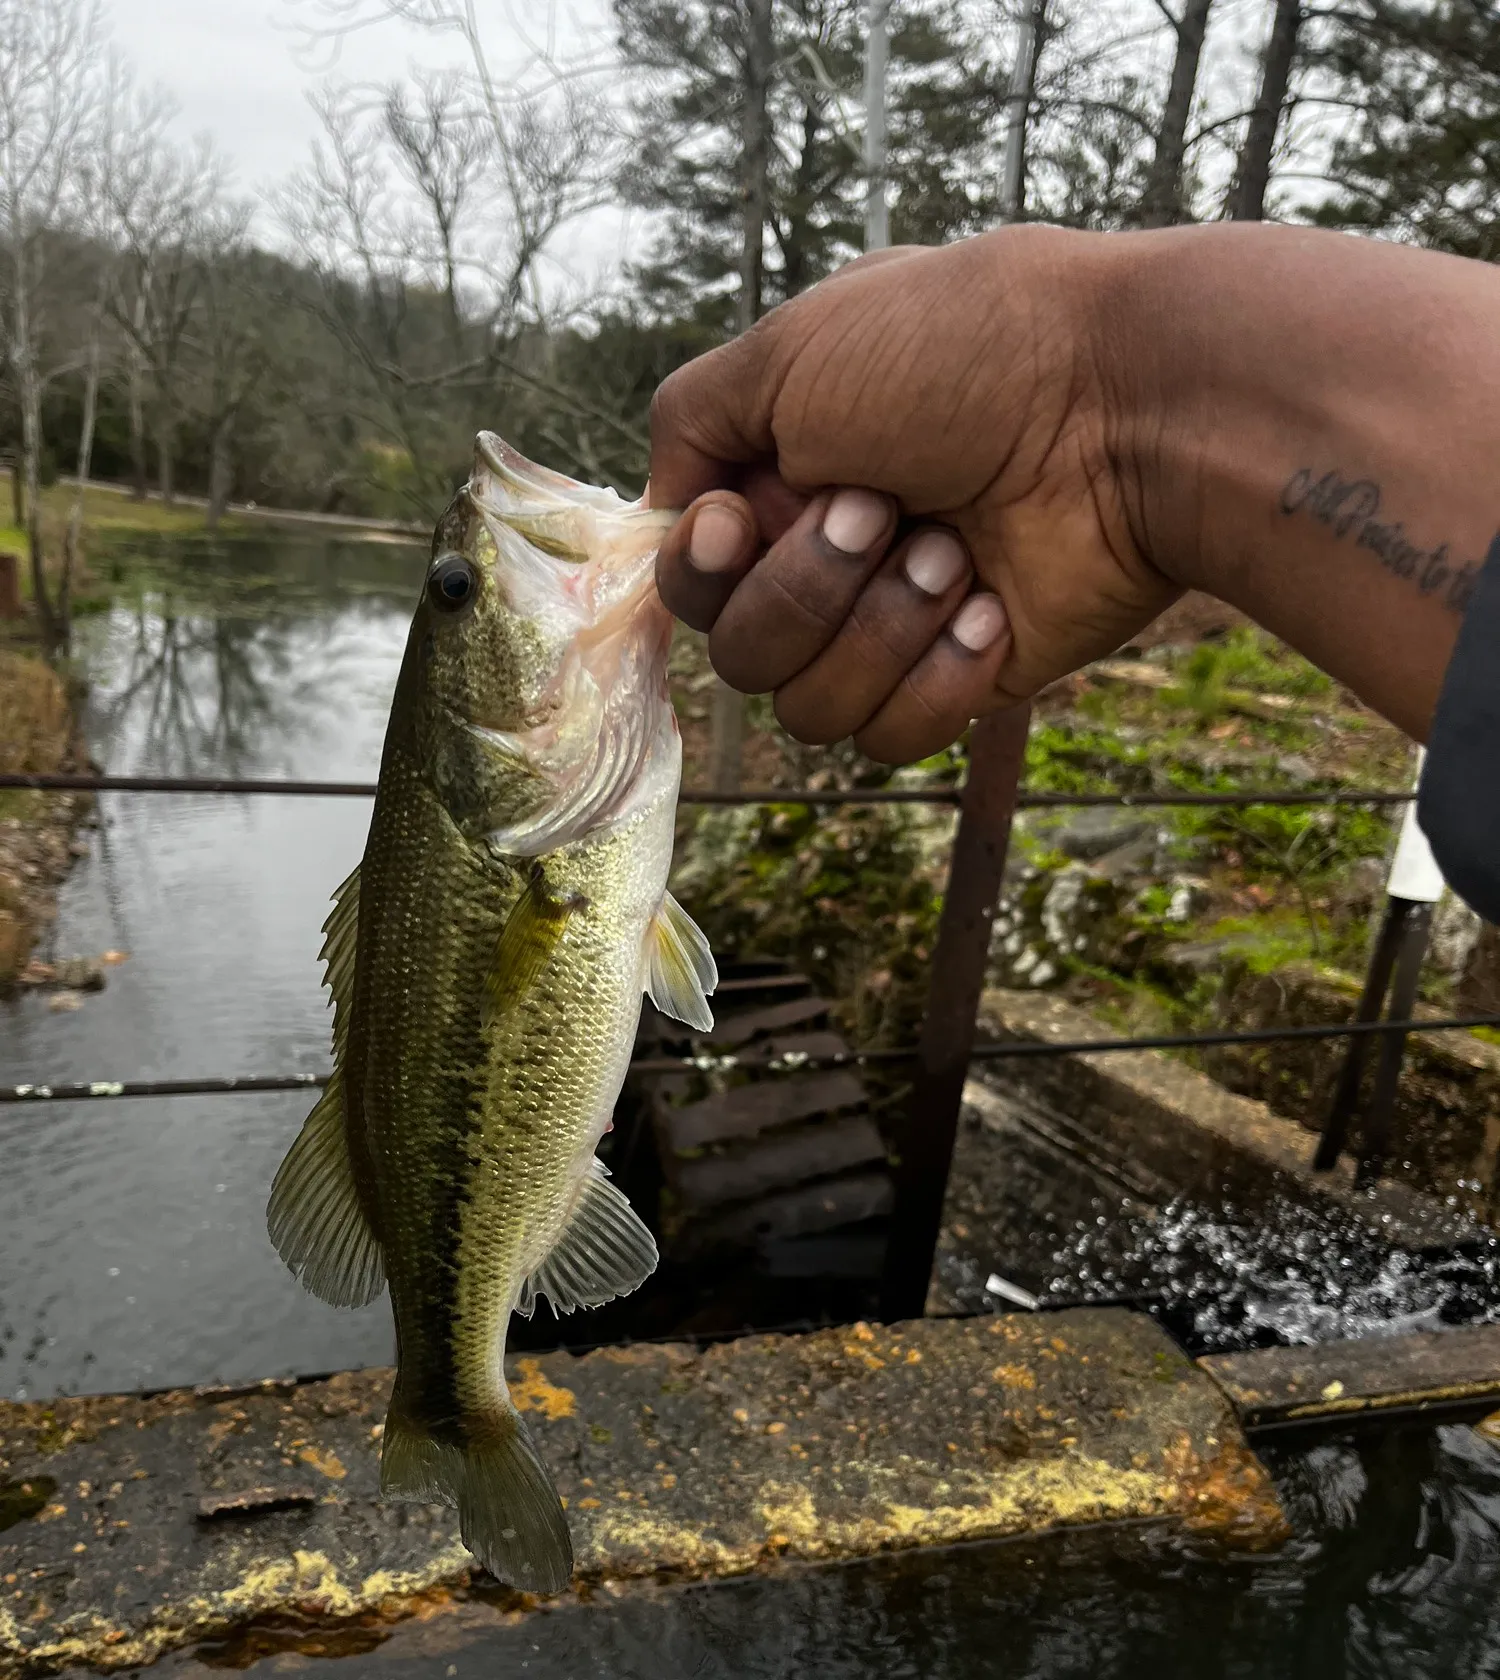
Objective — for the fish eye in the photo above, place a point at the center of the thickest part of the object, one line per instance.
(451, 584)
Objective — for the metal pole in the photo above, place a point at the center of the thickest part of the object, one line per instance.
(1371, 1002)
(1380, 1121)
(925, 1134)
(1018, 103)
(1415, 885)
(877, 209)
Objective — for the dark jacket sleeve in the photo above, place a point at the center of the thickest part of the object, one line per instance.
(1459, 806)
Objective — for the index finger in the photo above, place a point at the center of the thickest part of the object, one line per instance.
(709, 421)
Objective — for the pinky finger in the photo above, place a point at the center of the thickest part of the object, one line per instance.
(955, 681)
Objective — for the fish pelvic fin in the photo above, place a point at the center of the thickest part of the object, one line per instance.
(680, 969)
(532, 932)
(315, 1220)
(508, 1511)
(605, 1250)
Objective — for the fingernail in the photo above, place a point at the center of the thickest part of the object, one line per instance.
(978, 622)
(717, 539)
(935, 562)
(855, 518)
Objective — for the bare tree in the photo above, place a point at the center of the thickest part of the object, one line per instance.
(1161, 202)
(158, 207)
(438, 191)
(50, 63)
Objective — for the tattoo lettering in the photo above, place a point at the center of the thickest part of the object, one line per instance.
(1349, 508)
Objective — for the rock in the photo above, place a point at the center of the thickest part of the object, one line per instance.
(61, 1001)
(1189, 896)
(1096, 831)
(1455, 933)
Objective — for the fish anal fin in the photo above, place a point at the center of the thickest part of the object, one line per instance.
(508, 1511)
(532, 932)
(680, 970)
(315, 1220)
(604, 1250)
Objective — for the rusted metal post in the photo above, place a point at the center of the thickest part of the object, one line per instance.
(923, 1141)
(1380, 1121)
(1371, 1004)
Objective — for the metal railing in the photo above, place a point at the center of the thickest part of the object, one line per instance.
(925, 1131)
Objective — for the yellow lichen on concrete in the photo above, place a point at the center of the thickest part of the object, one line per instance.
(531, 1392)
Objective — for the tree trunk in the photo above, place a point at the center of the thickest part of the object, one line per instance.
(30, 393)
(166, 451)
(73, 539)
(728, 739)
(1161, 202)
(220, 471)
(1247, 196)
(1022, 92)
(17, 490)
(137, 403)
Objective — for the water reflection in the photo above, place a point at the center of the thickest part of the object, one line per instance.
(132, 1238)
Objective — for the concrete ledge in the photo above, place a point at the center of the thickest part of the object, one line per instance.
(1190, 1133)
(137, 1525)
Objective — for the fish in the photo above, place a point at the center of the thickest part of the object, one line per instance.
(486, 964)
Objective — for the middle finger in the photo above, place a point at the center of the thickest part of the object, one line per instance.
(901, 611)
(792, 603)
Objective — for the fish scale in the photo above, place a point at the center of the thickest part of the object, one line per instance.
(487, 964)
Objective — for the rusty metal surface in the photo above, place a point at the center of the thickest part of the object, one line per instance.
(925, 1132)
(674, 1463)
(1346, 1379)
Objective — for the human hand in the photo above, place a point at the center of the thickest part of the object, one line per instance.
(904, 500)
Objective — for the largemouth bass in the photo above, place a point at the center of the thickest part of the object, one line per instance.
(486, 965)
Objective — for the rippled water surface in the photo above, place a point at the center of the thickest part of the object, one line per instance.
(132, 1236)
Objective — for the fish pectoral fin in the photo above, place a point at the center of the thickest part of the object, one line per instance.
(680, 970)
(531, 934)
(604, 1250)
(315, 1220)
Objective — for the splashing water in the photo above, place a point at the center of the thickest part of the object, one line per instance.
(1226, 1278)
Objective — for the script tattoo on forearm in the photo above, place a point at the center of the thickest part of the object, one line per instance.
(1350, 508)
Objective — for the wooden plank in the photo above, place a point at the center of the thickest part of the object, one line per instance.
(763, 983)
(792, 1213)
(804, 1044)
(751, 1109)
(928, 1124)
(1300, 1384)
(744, 1025)
(791, 1158)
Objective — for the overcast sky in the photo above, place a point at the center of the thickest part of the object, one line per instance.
(241, 71)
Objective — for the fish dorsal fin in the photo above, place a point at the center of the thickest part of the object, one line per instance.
(340, 947)
(604, 1250)
(680, 969)
(532, 932)
(315, 1220)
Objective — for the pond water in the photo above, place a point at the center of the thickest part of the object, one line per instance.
(132, 1235)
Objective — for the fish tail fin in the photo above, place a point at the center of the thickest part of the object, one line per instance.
(508, 1511)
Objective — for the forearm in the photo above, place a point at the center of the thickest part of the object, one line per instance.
(1309, 427)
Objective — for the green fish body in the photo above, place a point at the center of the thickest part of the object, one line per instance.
(487, 963)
